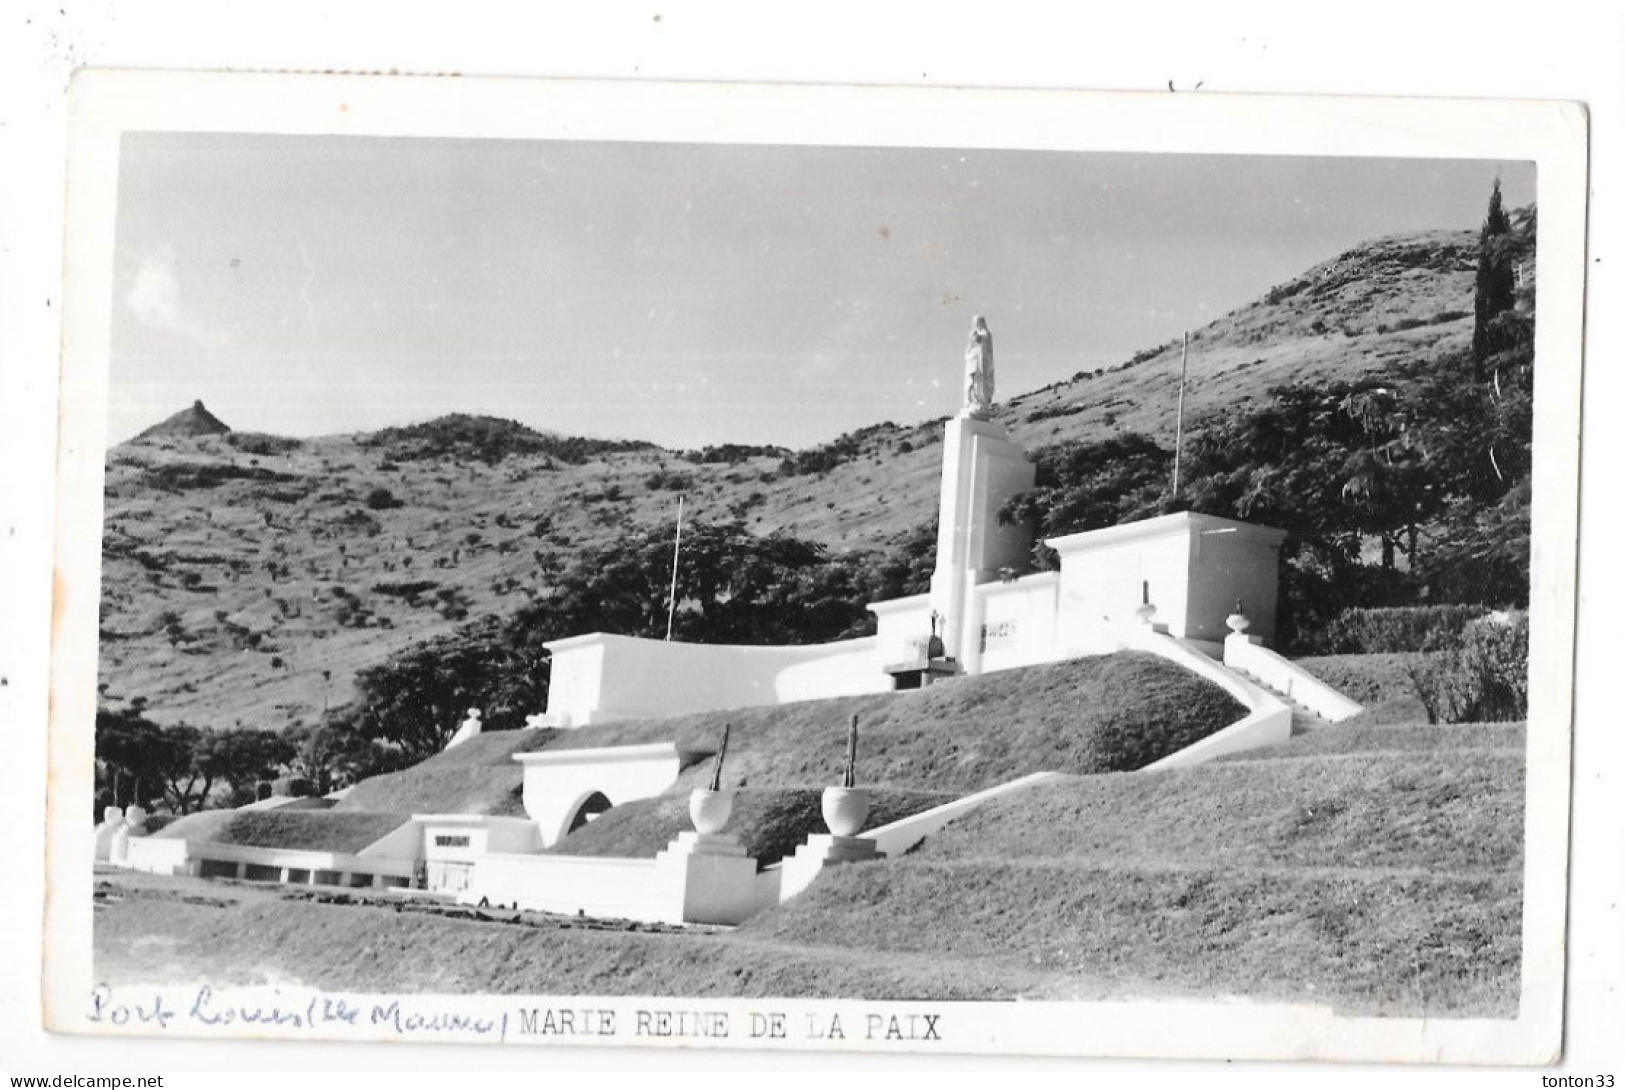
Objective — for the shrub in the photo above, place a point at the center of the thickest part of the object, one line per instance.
(1391, 630)
(1486, 679)
(259, 443)
(382, 499)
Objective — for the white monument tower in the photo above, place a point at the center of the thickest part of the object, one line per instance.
(981, 470)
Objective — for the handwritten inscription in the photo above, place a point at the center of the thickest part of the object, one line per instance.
(295, 1012)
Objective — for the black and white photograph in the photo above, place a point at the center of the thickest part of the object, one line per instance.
(816, 569)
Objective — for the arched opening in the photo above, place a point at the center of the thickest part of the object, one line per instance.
(593, 805)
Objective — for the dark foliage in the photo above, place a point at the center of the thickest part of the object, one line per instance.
(1082, 486)
(1387, 631)
(180, 476)
(254, 442)
(733, 587)
(1484, 680)
(488, 439)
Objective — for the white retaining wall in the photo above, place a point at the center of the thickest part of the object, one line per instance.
(1246, 654)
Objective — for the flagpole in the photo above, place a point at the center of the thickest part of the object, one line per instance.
(671, 601)
(1179, 419)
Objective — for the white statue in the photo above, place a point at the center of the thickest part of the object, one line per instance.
(978, 371)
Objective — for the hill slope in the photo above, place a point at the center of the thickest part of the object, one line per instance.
(1386, 881)
(1383, 882)
(247, 578)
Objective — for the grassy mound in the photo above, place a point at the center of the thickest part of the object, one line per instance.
(1104, 714)
(478, 776)
(1359, 942)
(1381, 884)
(1454, 811)
(156, 930)
(307, 830)
(772, 823)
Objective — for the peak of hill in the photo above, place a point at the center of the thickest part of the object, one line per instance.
(247, 578)
(188, 423)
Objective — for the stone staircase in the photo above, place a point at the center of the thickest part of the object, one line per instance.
(1304, 721)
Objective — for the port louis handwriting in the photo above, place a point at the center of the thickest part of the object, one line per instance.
(204, 1008)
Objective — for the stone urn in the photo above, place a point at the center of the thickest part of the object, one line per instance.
(1145, 611)
(845, 809)
(709, 810)
(1238, 622)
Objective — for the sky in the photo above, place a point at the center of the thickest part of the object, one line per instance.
(693, 294)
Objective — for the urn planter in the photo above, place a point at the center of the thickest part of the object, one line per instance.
(845, 809)
(710, 810)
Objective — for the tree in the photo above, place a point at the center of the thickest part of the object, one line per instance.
(241, 759)
(1493, 288)
(177, 759)
(1080, 486)
(126, 746)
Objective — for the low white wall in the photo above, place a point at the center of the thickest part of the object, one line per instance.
(902, 629)
(157, 855)
(850, 668)
(464, 838)
(1015, 623)
(152, 855)
(678, 886)
(601, 678)
(558, 781)
(630, 889)
(1268, 721)
(1287, 678)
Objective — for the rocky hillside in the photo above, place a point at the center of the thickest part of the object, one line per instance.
(246, 578)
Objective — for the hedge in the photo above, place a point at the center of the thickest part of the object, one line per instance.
(1392, 630)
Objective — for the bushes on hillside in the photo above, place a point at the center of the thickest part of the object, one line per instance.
(1391, 630)
(1486, 679)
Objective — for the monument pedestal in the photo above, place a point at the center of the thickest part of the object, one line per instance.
(822, 850)
(711, 877)
(981, 470)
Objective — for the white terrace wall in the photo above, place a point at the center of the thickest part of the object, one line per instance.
(454, 843)
(1192, 567)
(161, 855)
(559, 781)
(1014, 623)
(600, 678)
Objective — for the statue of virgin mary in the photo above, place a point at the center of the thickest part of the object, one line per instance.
(978, 371)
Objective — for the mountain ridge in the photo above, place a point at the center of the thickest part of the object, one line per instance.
(248, 577)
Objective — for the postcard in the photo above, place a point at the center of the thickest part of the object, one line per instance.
(815, 568)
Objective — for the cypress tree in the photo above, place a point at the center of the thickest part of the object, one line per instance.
(1493, 290)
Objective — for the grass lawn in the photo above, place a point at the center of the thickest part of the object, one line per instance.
(1380, 881)
(478, 776)
(309, 830)
(1108, 713)
(1377, 681)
